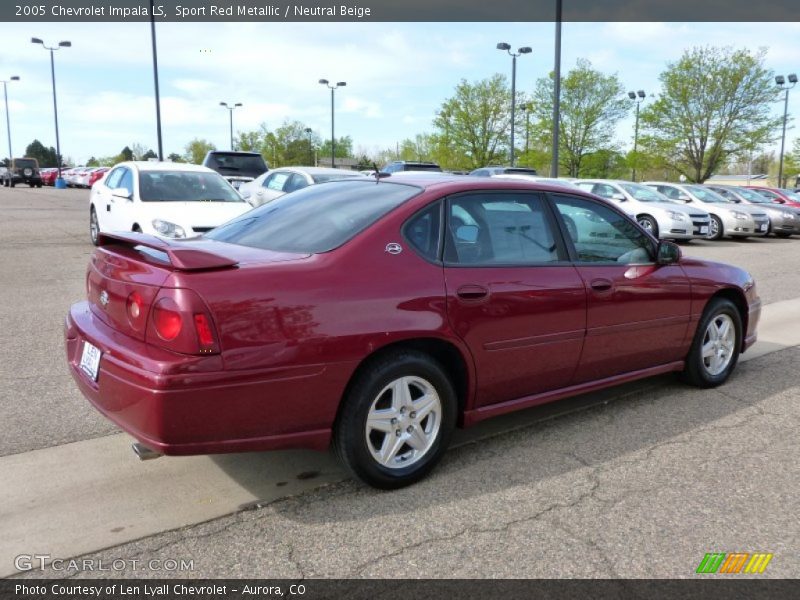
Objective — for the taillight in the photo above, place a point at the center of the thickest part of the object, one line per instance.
(204, 334)
(180, 321)
(167, 320)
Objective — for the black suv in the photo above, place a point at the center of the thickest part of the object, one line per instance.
(236, 167)
(410, 165)
(22, 170)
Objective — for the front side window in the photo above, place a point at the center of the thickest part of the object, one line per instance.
(602, 235)
(112, 181)
(493, 228)
(126, 181)
(604, 190)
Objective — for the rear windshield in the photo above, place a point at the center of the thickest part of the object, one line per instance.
(249, 165)
(25, 163)
(315, 219)
(185, 186)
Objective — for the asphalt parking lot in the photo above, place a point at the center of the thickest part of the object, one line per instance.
(640, 481)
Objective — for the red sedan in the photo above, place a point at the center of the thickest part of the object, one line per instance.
(778, 195)
(376, 316)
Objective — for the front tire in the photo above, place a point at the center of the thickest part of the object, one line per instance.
(396, 421)
(716, 345)
(717, 230)
(94, 226)
(649, 224)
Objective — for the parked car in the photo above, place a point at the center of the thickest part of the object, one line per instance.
(495, 170)
(237, 167)
(72, 177)
(170, 200)
(377, 316)
(783, 221)
(727, 218)
(283, 180)
(653, 211)
(410, 165)
(96, 175)
(22, 170)
(778, 195)
(49, 176)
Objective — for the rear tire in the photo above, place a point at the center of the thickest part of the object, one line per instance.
(716, 345)
(396, 420)
(717, 230)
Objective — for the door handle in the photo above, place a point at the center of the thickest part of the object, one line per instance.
(601, 285)
(472, 292)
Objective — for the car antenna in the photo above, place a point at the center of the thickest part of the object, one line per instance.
(378, 174)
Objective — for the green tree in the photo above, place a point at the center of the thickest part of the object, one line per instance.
(46, 156)
(174, 157)
(714, 103)
(343, 148)
(591, 106)
(125, 154)
(474, 124)
(197, 149)
(148, 155)
(92, 162)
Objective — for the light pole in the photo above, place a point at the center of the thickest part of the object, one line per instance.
(333, 139)
(781, 82)
(638, 98)
(556, 91)
(59, 183)
(155, 81)
(310, 147)
(8, 119)
(231, 108)
(527, 107)
(520, 51)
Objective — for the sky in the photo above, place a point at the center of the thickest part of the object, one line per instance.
(397, 74)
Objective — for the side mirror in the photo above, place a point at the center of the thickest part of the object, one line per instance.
(667, 253)
(618, 196)
(467, 233)
(121, 193)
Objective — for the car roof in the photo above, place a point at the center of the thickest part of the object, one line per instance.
(459, 183)
(146, 165)
(318, 171)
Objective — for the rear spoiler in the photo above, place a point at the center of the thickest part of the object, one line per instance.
(182, 258)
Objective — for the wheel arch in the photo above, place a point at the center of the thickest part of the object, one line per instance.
(456, 362)
(737, 297)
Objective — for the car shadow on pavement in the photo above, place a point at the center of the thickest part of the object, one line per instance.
(536, 446)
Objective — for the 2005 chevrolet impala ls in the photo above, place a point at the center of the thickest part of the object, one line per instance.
(375, 316)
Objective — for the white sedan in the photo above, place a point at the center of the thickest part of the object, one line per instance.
(169, 200)
(283, 180)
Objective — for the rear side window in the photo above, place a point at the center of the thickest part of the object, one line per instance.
(317, 218)
(422, 231)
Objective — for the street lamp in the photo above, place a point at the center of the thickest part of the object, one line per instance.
(8, 119)
(638, 98)
(520, 51)
(310, 147)
(59, 183)
(333, 139)
(527, 108)
(781, 83)
(231, 108)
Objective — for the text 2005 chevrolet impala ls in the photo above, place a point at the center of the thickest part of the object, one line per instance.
(375, 316)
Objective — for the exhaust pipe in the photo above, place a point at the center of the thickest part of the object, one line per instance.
(143, 452)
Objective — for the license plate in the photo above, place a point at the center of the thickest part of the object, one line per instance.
(90, 360)
(704, 229)
(763, 227)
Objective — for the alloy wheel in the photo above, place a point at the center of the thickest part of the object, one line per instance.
(403, 422)
(719, 344)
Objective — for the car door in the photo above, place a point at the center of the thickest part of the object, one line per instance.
(637, 311)
(122, 210)
(101, 199)
(512, 295)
